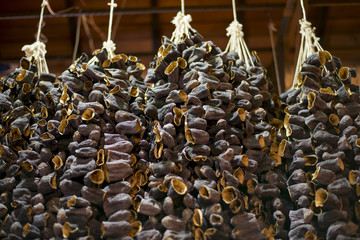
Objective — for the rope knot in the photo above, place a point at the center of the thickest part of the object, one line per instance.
(235, 29)
(182, 26)
(36, 50)
(305, 27)
(237, 42)
(44, 3)
(112, 4)
(181, 19)
(309, 45)
(109, 46)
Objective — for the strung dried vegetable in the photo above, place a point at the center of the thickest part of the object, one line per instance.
(101, 106)
(263, 173)
(28, 107)
(67, 151)
(322, 149)
(201, 184)
(260, 119)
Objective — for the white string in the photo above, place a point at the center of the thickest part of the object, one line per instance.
(237, 42)
(183, 6)
(303, 9)
(316, 42)
(43, 5)
(309, 43)
(234, 10)
(182, 26)
(109, 45)
(112, 6)
(37, 50)
(77, 38)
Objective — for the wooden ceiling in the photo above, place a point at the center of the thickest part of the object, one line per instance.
(139, 25)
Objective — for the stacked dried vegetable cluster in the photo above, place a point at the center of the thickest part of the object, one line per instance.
(105, 141)
(213, 152)
(68, 150)
(199, 149)
(29, 107)
(322, 150)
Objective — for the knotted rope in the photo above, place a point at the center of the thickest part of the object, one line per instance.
(182, 25)
(109, 45)
(37, 50)
(237, 42)
(309, 43)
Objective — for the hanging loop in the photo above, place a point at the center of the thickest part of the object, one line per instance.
(110, 47)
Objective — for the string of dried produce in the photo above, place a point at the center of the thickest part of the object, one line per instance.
(322, 148)
(106, 142)
(68, 172)
(205, 110)
(29, 100)
(262, 144)
(264, 181)
(108, 94)
(309, 43)
(322, 144)
(29, 105)
(188, 103)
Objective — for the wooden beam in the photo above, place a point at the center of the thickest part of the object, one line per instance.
(329, 3)
(288, 12)
(152, 10)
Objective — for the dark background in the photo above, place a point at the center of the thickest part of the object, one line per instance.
(141, 23)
